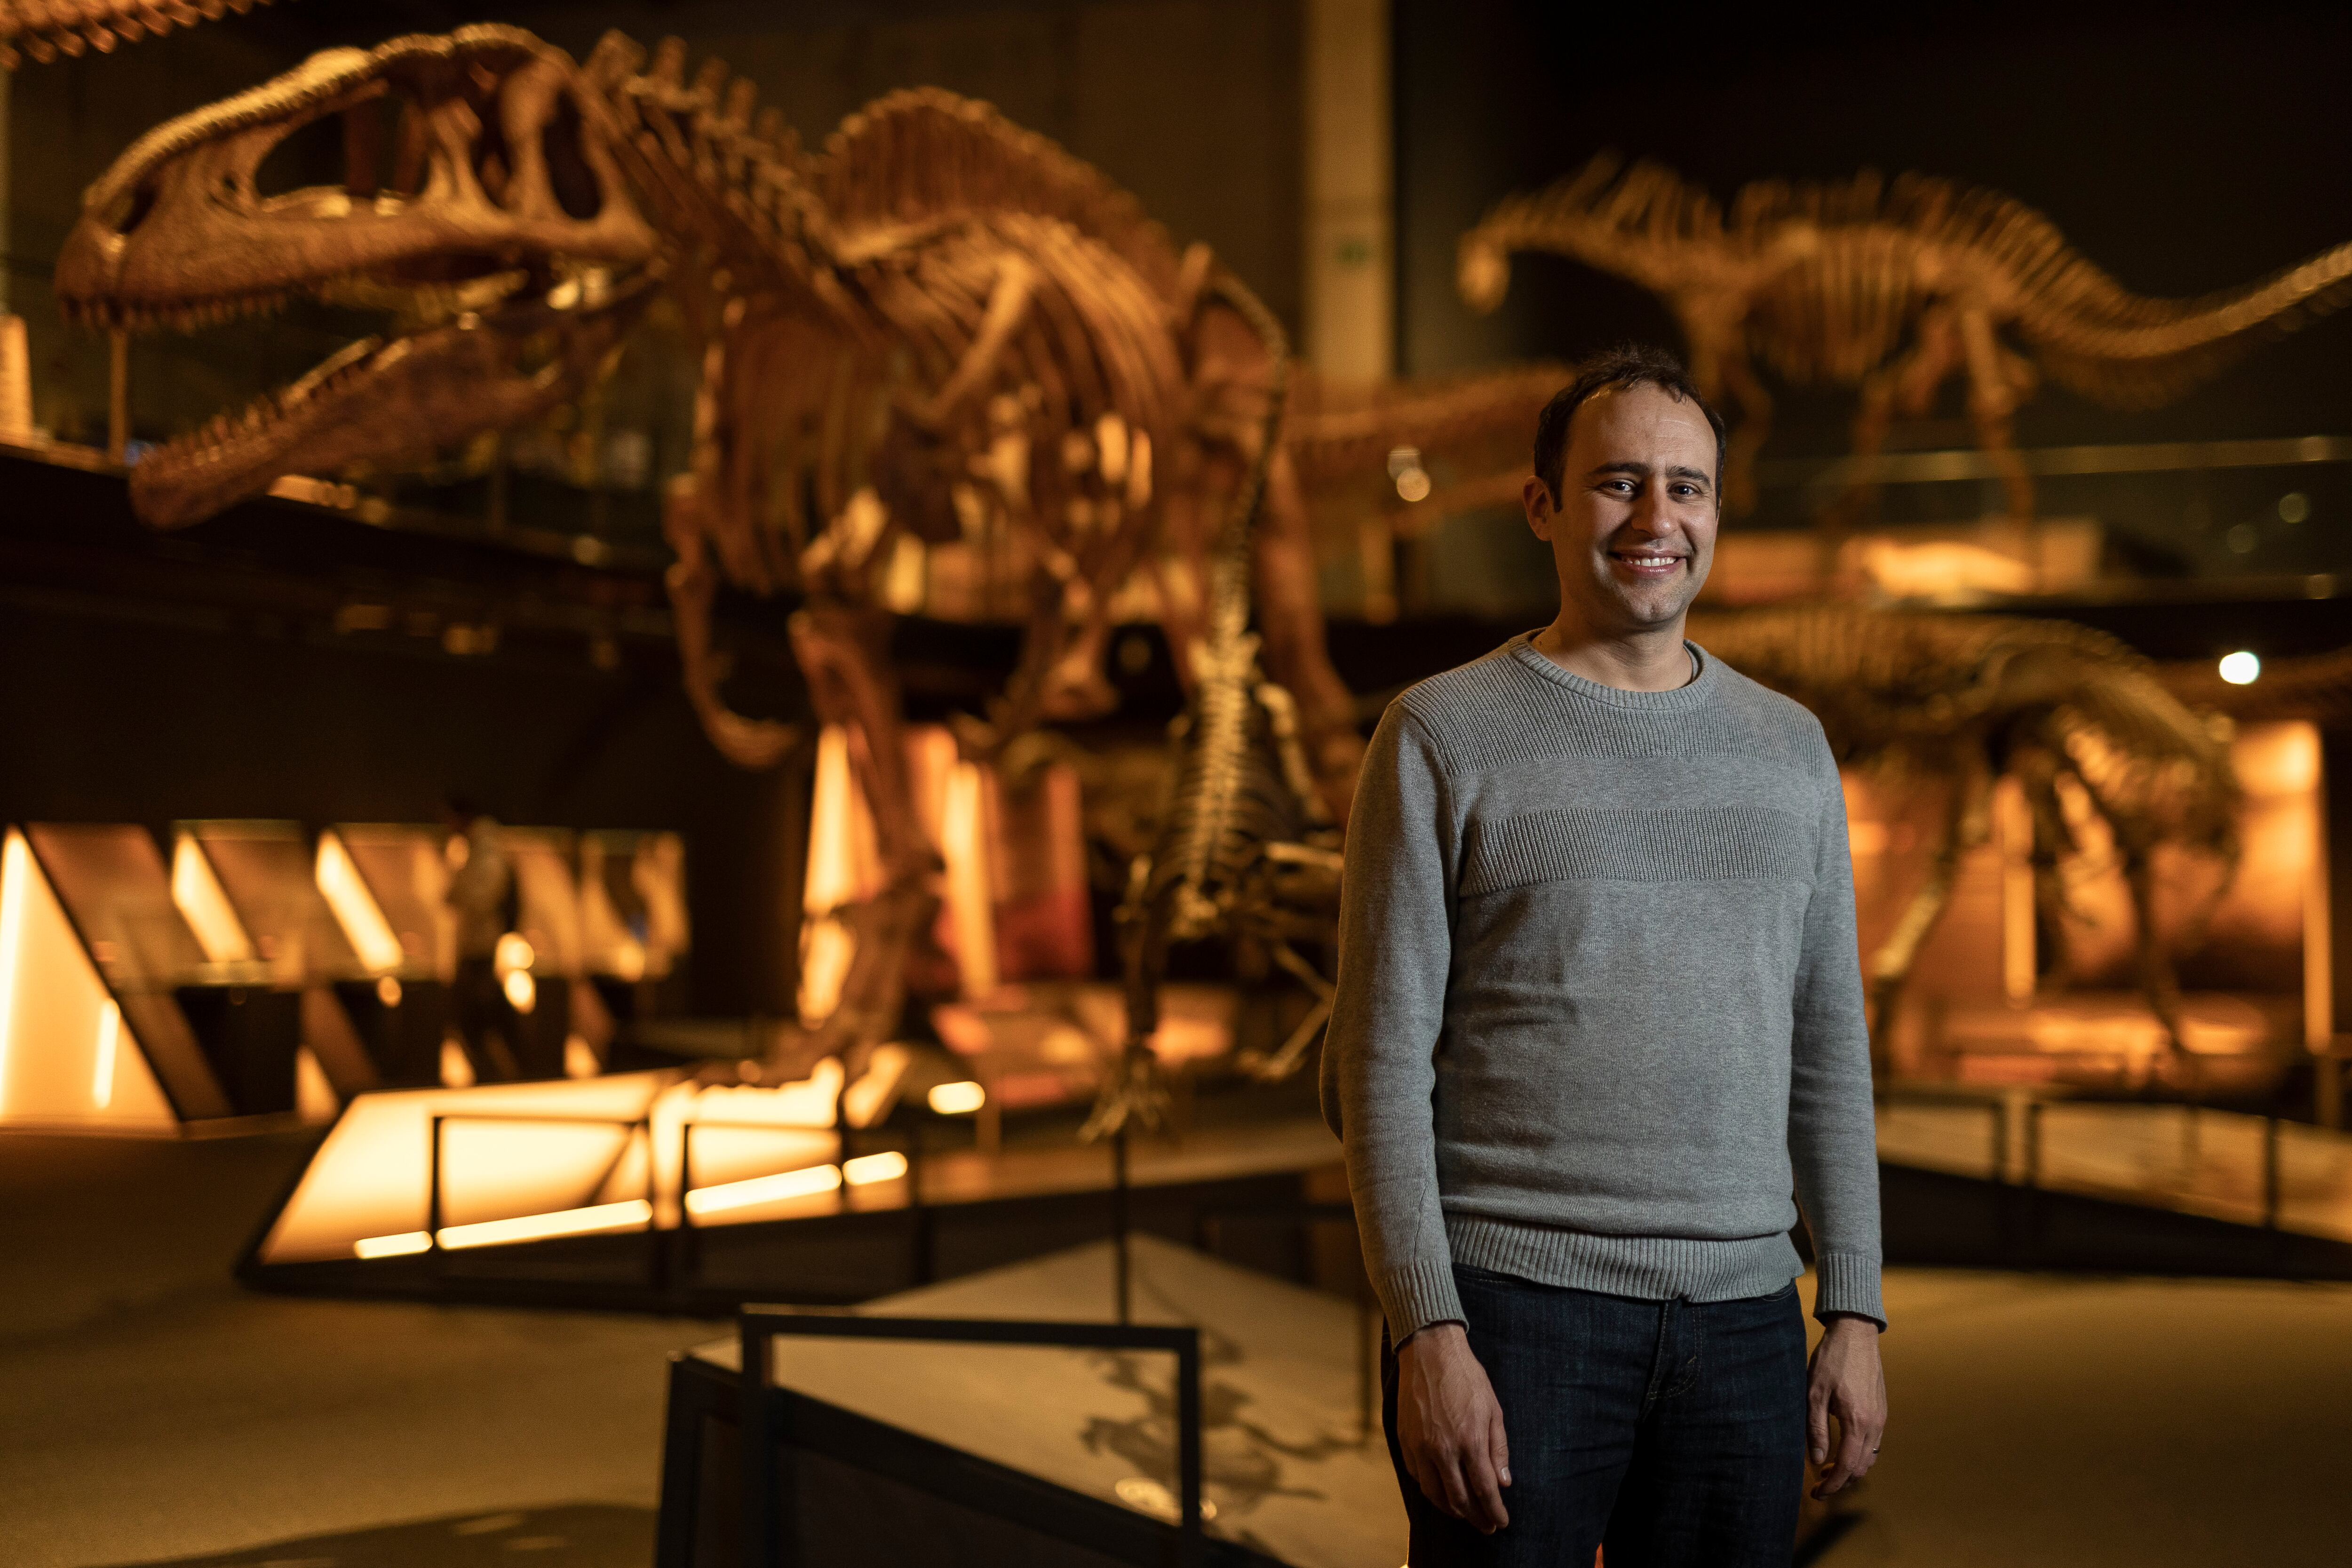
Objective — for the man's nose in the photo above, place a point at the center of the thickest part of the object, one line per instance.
(1648, 514)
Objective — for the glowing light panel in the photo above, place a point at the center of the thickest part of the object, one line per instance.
(110, 1036)
(406, 1242)
(957, 1098)
(205, 906)
(632, 1214)
(805, 1184)
(2241, 668)
(888, 1166)
(16, 867)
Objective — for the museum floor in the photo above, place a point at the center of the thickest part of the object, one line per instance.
(151, 1411)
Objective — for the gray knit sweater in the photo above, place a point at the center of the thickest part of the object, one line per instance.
(1599, 1013)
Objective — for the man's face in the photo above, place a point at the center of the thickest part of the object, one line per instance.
(1632, 532)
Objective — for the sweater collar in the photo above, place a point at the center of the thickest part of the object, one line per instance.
(1695, 693)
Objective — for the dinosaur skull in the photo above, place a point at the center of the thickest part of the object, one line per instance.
(503, 238)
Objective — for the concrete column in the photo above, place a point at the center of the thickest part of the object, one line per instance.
(1350, 325)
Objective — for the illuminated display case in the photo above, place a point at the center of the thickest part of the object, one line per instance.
(93, 958)
(559, 1025)
(387, 885)
(279, 1033)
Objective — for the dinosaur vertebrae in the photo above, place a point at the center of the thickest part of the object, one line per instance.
(929, 238)
(47, 28)
(1831, 276)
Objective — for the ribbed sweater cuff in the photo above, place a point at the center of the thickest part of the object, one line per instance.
(1418, 1295)
(1847, 1282)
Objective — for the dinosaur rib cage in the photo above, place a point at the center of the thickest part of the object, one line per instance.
(1230, 802)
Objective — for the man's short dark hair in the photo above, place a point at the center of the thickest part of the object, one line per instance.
(1624, 366)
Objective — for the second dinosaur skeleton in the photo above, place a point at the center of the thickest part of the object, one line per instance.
(1889, 289)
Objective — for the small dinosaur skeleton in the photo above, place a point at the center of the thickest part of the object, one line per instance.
(1971, 698)
(1891, 289)
(940, 329)
(1245, 850)
(47, 28)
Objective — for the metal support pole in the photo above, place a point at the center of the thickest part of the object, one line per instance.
(1118, 1223)
(117, 396)
(769, 1477)
(1188, 1453)
(920, 1212)
(432, 1193)
(2269, 1172)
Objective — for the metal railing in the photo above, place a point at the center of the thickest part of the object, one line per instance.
(770, 1489)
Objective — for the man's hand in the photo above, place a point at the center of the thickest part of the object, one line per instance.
(1451, 1427)
(1846, 1381)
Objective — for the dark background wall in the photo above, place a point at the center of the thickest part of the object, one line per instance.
(2183, 149)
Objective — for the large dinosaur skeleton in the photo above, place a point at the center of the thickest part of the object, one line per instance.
(1969, 699)
(1890, 289)
(939, 328)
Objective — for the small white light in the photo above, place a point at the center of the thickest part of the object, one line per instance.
(957, 1098)
(2241, 669)
(1413, 485)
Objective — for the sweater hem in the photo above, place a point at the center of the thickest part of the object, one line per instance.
(1646, 1268)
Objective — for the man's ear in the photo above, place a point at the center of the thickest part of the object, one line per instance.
(1536, 500)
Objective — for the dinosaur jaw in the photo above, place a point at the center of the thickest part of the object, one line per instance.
(383, 400)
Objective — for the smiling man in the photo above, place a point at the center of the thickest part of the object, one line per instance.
(1599, 1037)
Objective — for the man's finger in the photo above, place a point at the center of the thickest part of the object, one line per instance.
(1817, 1423)
(1453, 1493)
(1498, 1446)
(1486, 1491)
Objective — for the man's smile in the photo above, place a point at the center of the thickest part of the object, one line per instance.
(1649, 561)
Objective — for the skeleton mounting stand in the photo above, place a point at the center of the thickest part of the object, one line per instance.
(1225, 673)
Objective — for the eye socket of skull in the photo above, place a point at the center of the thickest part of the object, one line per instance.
(372, 134)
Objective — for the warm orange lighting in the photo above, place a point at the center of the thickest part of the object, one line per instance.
(971, 904)
(957, 1098)
(579, 1057)
(804, 1184)
(370, 934)
(513, 952)
(456, 1072)
(630, 1215)
(522, 994)
(16, 871)
(841, 869)
(387, 991)
(205, 906)
(865, 1102)
(888, 1166)
(109, 1038)
(400, 1246)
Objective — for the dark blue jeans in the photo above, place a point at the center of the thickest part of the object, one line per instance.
(1672, 1431)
